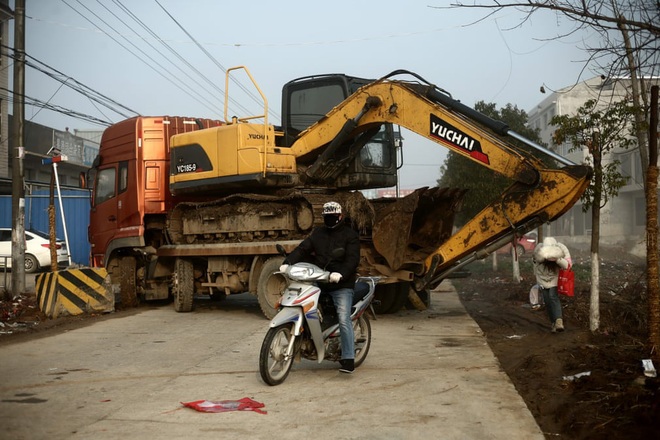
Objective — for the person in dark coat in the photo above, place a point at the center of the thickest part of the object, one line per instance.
(317, 249)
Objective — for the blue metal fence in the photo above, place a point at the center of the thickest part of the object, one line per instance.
(76, 204)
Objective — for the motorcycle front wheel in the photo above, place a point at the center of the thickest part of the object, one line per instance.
(362, 331)
(274, 364)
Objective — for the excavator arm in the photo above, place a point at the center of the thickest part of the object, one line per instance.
(537, 194)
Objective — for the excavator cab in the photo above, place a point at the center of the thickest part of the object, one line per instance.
(245, 155)
(366, 159)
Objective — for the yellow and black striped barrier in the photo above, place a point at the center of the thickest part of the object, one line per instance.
(74, 292)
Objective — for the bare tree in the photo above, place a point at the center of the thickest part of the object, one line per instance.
(630, 36)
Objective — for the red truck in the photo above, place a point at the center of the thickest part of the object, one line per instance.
(131, 198)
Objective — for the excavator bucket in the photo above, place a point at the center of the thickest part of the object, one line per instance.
(408, 229)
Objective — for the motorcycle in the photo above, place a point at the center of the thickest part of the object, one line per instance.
(307, 325)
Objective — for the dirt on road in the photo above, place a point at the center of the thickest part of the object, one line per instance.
(577, 384)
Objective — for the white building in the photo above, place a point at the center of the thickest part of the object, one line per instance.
(623, 219)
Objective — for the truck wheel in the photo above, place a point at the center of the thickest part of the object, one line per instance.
(400, 296)
(385, 298)
(183, 285)
(127, 281)
(270, 286)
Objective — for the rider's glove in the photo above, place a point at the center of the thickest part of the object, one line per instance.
(284, 267)
(334, 277)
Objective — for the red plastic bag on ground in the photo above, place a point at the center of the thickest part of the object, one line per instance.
(244, 404)
(566, 283)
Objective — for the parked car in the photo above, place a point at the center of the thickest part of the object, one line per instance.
(525, 244)
(37, 250)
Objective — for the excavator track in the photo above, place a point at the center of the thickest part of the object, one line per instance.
(256, 217)
(240, 218)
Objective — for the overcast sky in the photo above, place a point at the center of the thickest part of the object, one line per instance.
(136, 54)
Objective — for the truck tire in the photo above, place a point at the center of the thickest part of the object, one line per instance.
(127, 281)
(400, 296)
(384, 298)
(183, 285)
(270, 286)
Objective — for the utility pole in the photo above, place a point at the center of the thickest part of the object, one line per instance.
(18, 172)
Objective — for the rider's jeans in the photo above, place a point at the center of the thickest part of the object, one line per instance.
(343, 299)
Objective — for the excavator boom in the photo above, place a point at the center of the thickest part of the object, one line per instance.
(537, 194)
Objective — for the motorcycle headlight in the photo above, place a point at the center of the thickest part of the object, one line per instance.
(304, 272)
(300, 272)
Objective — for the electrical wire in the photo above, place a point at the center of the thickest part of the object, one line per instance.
(56, 108)
(198, 97)
(177, 66)
(75, 85)
(216, 62)
(172, 50)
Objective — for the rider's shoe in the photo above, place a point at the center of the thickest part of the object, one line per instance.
(347, 365)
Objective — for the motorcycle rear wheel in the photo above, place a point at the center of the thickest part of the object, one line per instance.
(362, 331)
(274, 364)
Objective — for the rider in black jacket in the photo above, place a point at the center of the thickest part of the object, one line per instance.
(317, 249)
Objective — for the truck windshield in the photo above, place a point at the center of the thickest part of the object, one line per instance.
(105, 185)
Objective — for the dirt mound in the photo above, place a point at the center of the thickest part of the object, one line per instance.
(577, 384)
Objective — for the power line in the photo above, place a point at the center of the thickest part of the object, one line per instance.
(56, 108)
(159, 72)
(155, 36)
(102, 100)
(75, 85)
(216, 62)
(110, 31)
(174, 52)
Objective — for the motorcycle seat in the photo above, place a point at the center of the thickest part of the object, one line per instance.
(360, 291)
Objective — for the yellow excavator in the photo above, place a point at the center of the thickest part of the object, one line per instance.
(319, 155)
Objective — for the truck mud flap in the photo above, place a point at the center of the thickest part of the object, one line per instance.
(408, 229)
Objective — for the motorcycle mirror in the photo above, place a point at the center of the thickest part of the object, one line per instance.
(280, 249)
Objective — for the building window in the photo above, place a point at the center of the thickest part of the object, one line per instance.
(637, 174)
(581, 221)
(625, 164)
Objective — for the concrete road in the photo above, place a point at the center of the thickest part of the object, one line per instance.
(428, 375)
